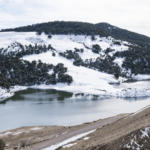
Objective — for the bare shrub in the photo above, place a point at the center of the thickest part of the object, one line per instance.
(8, 137)
(24, 143)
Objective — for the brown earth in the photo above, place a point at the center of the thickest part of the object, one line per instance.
(30, 137)
(49, 135)
(121, 132)
(118, 134)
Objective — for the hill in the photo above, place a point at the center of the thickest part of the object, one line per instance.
(61, 27)
(71, 57)
(124, 34)
(131, 132)
(83, 28)
(80, 58)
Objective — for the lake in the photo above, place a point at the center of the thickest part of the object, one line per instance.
(33, 107)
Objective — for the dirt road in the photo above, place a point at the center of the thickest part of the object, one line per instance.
(76, 132)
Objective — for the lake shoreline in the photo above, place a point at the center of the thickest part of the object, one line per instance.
(59, 107)
(100, 92)
(37, 134)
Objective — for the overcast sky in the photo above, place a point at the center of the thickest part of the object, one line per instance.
(128, 14)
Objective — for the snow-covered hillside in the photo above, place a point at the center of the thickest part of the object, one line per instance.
(86, 80)
(60, 42)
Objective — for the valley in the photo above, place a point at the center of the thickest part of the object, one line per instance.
(59, 75)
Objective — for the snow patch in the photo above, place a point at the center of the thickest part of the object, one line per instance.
(86, 138)
(53, 147)
(145, 132)
(17, 88)
(119, 61)
(36, 128)
(6, 133)
(69, 145)
(17, 133)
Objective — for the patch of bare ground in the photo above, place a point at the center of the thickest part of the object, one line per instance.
(27, 136)
(131, 132)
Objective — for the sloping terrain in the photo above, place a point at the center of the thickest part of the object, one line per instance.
(40, 137)
(131, 132)
(75, 63)
(122, 132)
(84, 78)
(124, 34)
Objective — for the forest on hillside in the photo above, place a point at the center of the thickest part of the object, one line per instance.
(83, 28)
(16, 71)
(61, 27)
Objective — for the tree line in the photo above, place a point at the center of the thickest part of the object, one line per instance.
(62, 27)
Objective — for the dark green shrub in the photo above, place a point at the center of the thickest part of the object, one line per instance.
(2, 144)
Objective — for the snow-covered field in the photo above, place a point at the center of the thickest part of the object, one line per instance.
(85, 80)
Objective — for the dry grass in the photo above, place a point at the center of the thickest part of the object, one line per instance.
(29, 137)
(24, 143)
(108, 137)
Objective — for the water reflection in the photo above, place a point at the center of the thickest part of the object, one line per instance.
(136, 99)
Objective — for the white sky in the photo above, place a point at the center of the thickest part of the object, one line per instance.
(127, 14)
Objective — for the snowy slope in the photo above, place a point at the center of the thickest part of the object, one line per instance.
(4, 93)
(60, 42)
(85, 80)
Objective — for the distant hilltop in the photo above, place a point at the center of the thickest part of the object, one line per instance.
(83, 28)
